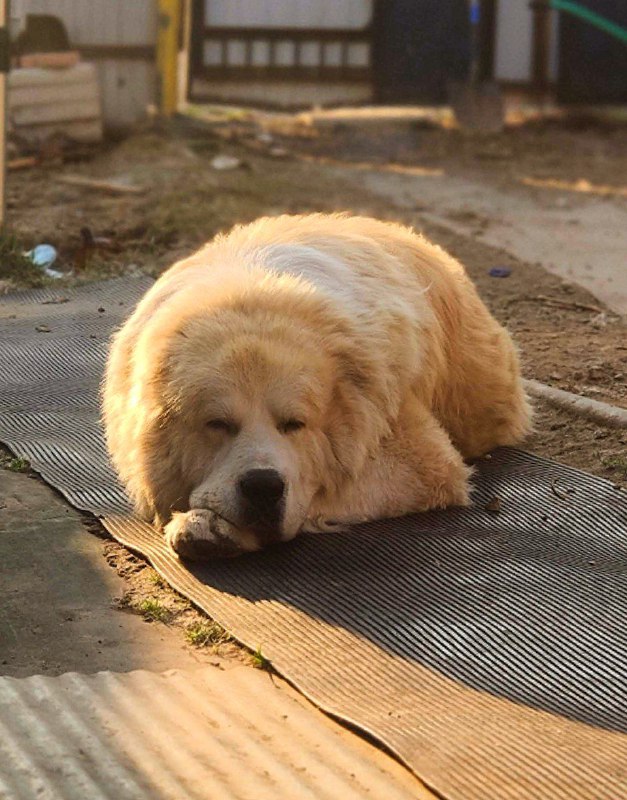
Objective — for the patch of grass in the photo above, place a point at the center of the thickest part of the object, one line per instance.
(157, 580)
(259, 661)
(16, 268)
(192, 217)
(202, 634)
(14, 464)
(618, 463)
(153, 610)
(19, 465)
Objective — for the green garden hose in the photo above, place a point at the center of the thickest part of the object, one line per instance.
(603, 23)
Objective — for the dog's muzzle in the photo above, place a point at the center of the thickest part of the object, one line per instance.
(262, 497)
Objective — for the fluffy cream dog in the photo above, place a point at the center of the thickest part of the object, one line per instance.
(305, 372)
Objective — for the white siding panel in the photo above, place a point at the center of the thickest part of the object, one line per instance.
(56, 112)
(140, 26)
(358, 54)
(100, 21)
(212, 53)
(236, 53)
(261, 54)
(43, 102)
(309, 54)
(289, 13)
(128, 88)
(514, 41)
(284, 54)
(333, 54)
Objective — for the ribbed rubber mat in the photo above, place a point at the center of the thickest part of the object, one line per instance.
(488, 651)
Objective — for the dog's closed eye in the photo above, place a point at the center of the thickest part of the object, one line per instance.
(222, 426)
(291, 425)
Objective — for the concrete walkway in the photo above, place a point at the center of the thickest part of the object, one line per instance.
(578, 236)
(57, 595)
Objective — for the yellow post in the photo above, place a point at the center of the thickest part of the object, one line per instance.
(167, 54)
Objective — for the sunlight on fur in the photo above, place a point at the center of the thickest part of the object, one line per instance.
(306, 373)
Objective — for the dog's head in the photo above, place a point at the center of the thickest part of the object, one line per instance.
(258, 417)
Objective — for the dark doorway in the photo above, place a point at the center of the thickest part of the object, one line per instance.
(592, 63)
(418, 47)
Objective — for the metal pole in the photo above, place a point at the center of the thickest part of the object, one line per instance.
(5, 64)
(541, 46)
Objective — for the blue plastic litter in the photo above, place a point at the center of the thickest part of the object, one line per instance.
(44, 256)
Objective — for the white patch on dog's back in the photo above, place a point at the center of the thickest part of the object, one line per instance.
(330, 275)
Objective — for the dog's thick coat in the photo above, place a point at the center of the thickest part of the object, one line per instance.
(350, 360)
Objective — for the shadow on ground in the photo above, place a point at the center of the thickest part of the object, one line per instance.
(527, 604)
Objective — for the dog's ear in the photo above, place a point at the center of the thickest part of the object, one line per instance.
(365, 374)
(358, 417)
(160, 482)
(355, 370)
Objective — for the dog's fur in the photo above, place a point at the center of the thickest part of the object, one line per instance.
(352, 357)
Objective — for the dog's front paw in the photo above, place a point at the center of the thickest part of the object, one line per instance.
(200, 535)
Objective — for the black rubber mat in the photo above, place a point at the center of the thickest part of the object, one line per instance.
(487, 650)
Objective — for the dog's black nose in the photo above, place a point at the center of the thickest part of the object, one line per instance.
(262, 488)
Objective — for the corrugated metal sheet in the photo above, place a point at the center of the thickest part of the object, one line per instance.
(205, 735)
(128, 85)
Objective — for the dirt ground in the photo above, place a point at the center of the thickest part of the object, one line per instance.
(587, 153)
(567, 338)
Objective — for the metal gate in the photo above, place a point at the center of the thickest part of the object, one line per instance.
(300, 52)
(284, 52)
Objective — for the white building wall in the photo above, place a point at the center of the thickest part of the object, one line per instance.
(514, 42)
(289, 13)
(128, 86)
